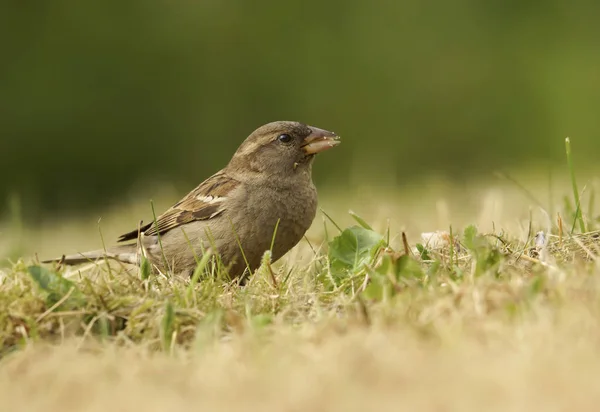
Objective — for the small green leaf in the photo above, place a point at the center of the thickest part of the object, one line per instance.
(376, 290)
(487, 257)
(470, 236)
(354, 247)
(423, 252)
(408, 268)
(145, 268)
(349, 252)
(56, 287)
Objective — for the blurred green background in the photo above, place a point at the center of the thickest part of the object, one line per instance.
(97, 97)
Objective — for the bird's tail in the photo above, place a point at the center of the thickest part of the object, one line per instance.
(124, 253)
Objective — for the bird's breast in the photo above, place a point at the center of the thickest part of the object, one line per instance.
(283, 214)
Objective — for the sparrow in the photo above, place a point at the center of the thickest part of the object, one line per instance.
(263, 198)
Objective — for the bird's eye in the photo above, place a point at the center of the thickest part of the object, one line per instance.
(285, 138)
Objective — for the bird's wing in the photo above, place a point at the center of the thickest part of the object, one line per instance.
(204, 202)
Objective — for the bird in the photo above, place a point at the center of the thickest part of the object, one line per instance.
(263, 199)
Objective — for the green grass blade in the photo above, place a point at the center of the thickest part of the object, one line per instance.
(578, 214)
(162, 251)
(167, 327)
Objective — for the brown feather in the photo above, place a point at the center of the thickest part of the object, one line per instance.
(194, 206)
(134, 233)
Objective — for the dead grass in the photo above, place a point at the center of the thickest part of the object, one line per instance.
(493, 323)
(549, 363)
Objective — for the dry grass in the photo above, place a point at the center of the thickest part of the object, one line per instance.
(534, 366)
(499, 325)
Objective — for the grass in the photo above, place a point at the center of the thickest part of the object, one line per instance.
(481, 311)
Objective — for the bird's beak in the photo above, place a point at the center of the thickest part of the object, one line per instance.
(319, 140)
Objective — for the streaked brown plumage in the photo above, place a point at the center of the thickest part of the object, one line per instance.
(267, 181)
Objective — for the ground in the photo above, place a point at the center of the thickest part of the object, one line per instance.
(484, 312)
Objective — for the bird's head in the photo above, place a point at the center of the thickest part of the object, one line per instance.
(282, 147)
